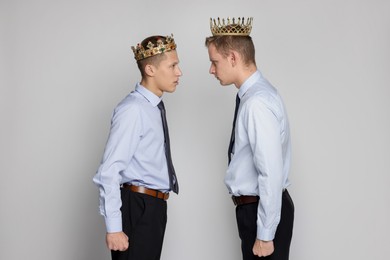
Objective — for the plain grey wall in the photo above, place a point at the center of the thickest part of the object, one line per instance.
(65, 65)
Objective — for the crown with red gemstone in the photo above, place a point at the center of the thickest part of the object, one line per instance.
(234, 27)
(152, 49)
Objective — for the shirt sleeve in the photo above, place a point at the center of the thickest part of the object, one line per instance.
(123, 139)
(264, 138)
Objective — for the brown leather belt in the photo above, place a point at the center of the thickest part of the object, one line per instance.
(154, 193)
(241, 200)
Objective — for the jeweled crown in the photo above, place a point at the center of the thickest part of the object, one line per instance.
(152, 49)
(235, 27)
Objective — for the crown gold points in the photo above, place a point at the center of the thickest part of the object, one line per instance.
(232, 26)
(153, 49)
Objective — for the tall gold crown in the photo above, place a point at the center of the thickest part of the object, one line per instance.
(153, 49)
(232, 26)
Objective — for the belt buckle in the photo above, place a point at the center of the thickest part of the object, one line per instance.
(162, 195)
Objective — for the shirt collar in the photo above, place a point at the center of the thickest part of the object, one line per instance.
(148, 95)
(249, 82)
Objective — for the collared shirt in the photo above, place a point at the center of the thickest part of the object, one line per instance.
(261, 155)
(134, 153)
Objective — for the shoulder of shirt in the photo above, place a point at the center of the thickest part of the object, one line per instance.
(262, 95)
(263, 92)
(131, 102)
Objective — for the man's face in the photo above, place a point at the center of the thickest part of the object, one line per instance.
(168, 73)
(220, 66)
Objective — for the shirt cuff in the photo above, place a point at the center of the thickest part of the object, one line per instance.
(265, 234)
(113, 224)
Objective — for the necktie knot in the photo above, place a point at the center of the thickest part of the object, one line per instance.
(236, 108)
(161, 106)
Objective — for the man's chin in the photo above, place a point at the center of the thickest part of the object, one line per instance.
(171, 90)
(223, 83)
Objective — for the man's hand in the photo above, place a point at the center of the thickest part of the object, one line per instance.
(263, 248)
(117, 241)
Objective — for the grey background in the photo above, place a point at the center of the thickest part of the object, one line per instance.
(66, 64)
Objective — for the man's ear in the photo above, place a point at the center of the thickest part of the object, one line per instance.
(233, 58)
(150, 70)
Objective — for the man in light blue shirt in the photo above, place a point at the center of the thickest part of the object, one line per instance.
(260, 149)
(136, 172)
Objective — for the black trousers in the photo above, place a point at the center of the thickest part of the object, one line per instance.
(144, 220)
(247, 228)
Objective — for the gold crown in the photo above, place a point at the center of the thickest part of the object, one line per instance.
(241, 28)
(141, 53)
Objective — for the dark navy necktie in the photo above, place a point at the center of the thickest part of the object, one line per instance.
(230, 151)
(171, 171)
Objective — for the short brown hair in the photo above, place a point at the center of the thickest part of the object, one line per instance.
(153, 60)
(242, 44)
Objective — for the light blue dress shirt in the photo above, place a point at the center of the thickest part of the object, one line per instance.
(261, 155)
(134, 153)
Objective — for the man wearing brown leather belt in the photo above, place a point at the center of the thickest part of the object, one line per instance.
(259, 150)
(136, 173)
